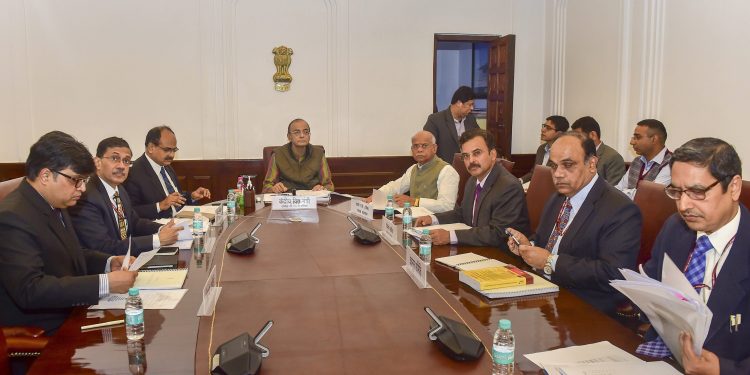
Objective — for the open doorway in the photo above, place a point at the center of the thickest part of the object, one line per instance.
(484, 63)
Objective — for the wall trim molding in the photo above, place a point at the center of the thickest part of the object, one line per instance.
(624, 78)
(559, 34)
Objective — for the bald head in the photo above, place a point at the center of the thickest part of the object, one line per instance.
(423, 147)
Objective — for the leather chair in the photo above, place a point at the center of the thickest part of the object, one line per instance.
(745, 193)
(656, 207)
(463, 174)
(6, 187)
(541, 188)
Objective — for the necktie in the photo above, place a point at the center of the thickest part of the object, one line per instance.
(562, 222)
(477, 191)
(167, 183)
(60, 216)
(120, 216)
(695, 272)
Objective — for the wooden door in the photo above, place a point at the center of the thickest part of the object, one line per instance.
(500, 92)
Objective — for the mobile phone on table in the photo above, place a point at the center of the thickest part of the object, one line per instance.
(168, 250)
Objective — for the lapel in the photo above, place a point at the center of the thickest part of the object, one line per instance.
(451, 124)
(733, 282)
(488, 183)
(153, 177)
(65, 234)
(107, 204)
(587, 208)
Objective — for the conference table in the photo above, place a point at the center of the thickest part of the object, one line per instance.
(338, 307)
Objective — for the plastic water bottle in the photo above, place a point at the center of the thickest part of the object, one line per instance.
(425, 246)
(197, 222)
(389, 210)
(137, 357)
(134, 315)
(503, 349)
(231, 203)
(406, 220)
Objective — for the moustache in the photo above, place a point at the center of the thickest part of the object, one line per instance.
(474, 165)
(691, 212)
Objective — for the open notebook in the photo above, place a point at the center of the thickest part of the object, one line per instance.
(471, 261)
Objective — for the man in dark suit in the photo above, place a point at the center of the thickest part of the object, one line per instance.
(152, 184)
(551, 129)
(610, 164)
(448, 124)
(104, 218)
(706, 185)
(587, 231)
(44, 272)
(493, 199)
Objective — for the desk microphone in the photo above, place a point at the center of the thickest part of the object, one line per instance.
(241, 355)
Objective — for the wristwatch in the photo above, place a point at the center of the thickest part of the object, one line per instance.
(548, 265)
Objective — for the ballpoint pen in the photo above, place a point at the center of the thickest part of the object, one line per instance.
(103, 324)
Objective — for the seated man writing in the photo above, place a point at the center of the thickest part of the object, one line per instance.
(431, 183)
(298, 164)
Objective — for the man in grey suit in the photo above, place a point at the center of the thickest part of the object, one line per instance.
(493, 199)
(611, 165)
(587, 231)
(448, 124)
(551, 129)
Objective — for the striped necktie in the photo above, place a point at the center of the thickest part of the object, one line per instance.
(121, 223)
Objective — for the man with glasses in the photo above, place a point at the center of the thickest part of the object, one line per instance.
(448, 124)
(493, 199)
(104, 218)
(551, 129)
(587, 231)
(298, 164)
(152, 184)
(44, 271)
(431, 183)
(709, 240)
(652, 164)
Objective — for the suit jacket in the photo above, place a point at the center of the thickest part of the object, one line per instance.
(604, 235)
(144, 187)
(442, 126)
(96, 224)
(501, 204)
(43, 269)
(730, 294)
(611, 165)
(540, 151)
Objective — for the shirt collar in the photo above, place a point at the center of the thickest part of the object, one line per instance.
(720, 238)
(577, 200)
(157, 168)
(658, 159)
(481, 183)
(110, 190)
(420, 166)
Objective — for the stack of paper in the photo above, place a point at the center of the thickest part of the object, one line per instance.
(187, 212)
(672, 306)
(152, 300)
(170, 279)
(600, 358)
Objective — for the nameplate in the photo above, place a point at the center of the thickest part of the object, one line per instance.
(361, 209)
(210, 293)
(292, 202)
(390, 232)
(416, 269)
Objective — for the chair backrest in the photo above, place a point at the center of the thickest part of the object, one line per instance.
(506, 163)
(656, 207)
(463, 174)
(6, 187)
(4, 364)
(541, 188)
(745, 193)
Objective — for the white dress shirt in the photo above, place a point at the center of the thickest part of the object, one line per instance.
(664, 176)
(157, 169)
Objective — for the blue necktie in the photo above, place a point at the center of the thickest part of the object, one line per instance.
(695, 272)
(170, 188)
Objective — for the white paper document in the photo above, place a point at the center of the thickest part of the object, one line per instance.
(184, 244)
(186, 233)
(672, 306)
(415, 212)
(448, 227)
(379, 200)
(152, 300)
(162, 279)
(188, 211)
(142, 259)
(615, 368)
(600, 352)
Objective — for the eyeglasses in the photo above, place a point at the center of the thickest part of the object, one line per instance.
(298, 132)
(423, 146)
(692, 193)
(547, 127)
(116, 159)
(476, 153)
(77, 181)
(169, 150)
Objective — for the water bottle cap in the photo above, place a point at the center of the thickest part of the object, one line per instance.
(230, 191)
(407, 204)
(197, 210)
(390, 196)
(425, 231)
(133, 291)
(504, 324)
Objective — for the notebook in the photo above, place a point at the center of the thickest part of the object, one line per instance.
(162, 262)
(161, 279)
(468, 261)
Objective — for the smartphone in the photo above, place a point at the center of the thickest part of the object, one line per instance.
(518, 243)
(168, 250)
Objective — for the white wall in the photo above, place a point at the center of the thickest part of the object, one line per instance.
(684, 63)
(362, 70)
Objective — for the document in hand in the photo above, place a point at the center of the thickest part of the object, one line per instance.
(671, 305)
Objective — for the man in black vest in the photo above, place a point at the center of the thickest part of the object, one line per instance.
(648, 141)
(152, 184)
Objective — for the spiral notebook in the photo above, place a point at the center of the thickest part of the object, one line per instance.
(469, 261)
(161, 279)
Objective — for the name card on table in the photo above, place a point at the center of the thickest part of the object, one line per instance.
(361, 209)
(390, 232)
(210, 294)
(292, 202)
(416, 269)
